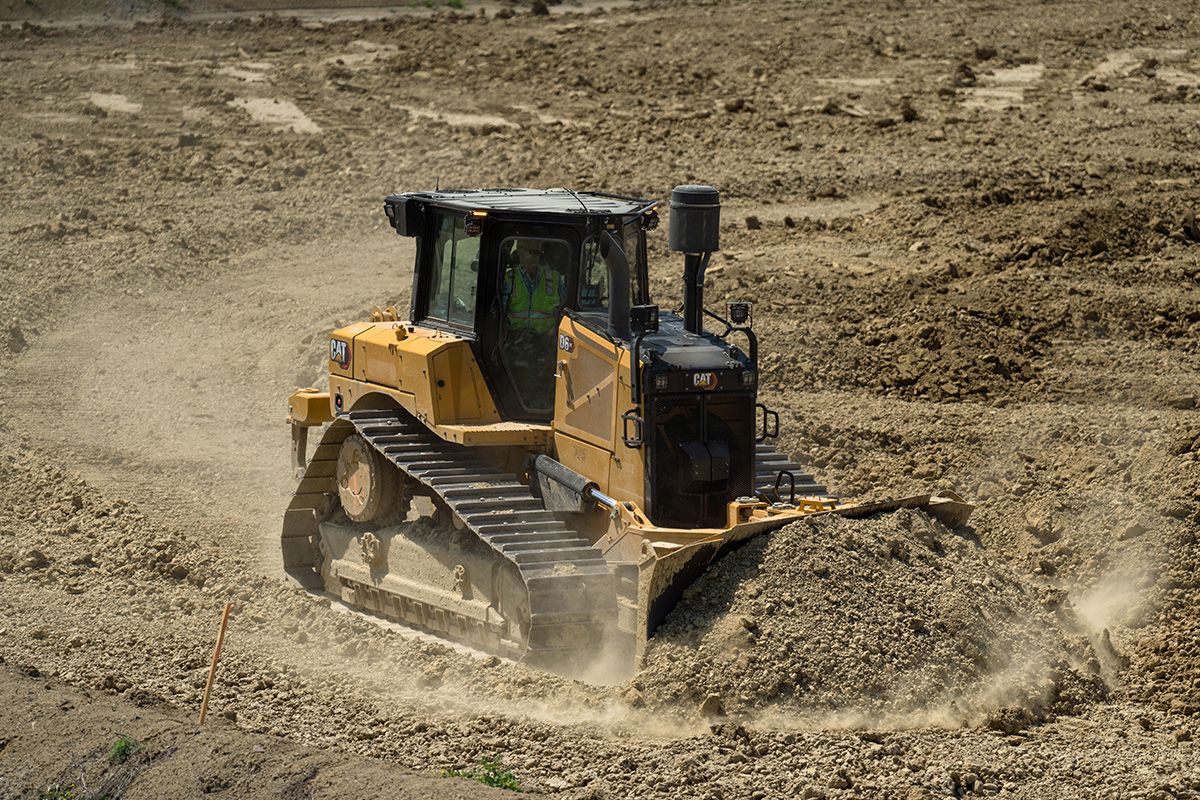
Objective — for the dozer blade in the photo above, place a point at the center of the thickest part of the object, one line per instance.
(665, 575)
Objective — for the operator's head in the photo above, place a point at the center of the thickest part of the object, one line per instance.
(527, 254)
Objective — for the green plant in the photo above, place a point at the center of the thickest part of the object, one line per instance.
(56, 791)
(122, 749)
(455, 3)
(491, 773)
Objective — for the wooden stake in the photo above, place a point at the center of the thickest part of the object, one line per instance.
(212, 670)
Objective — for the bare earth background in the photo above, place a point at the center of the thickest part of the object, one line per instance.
(970, 232)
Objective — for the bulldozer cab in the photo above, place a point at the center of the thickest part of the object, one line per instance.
(501, 267)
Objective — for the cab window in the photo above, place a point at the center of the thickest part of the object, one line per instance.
(533, 281)
(633, 240)
(593, 278)
(593, 274)
(455, 273)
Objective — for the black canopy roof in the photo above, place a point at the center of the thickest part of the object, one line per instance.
(537, 201)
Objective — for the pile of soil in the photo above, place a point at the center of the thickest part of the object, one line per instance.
(890, 620)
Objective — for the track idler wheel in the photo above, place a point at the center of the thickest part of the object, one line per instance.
(368, 485)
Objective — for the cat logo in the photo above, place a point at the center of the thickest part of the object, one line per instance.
(704, 380)
(339, 352)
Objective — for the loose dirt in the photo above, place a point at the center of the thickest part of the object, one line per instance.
(887, 622)
(974, 256)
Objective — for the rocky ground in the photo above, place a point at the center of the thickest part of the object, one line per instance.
(971, 236)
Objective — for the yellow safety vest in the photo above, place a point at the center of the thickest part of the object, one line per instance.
(534, 304)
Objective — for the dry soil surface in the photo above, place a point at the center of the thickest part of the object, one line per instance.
(970, 232)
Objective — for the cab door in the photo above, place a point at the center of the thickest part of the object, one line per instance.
(518, 347)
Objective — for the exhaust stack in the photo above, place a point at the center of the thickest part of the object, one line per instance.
(695, 232)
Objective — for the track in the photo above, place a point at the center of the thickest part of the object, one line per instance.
(570, 587)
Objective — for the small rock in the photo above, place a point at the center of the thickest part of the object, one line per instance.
(712, 706)
(35, 559)
(1132, 531)
(178, 572)
(734, 104)
(188, 140)
(539, 8)
(964, 75)
(1039, 523)
(753, 223)
(1191, 230)
(1186, 443)
(907, 112)
(16, 339)
(918, 246)
(633, 698)
(1182, 401)
(937, 135)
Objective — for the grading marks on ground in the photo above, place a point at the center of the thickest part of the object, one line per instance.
(279, 114)
(1003, 88)
(118, 103)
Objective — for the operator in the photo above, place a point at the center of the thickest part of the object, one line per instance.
(534, 294)
(536, 291)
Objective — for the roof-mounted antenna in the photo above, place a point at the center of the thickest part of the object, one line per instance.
(582, 204)
(437, 183)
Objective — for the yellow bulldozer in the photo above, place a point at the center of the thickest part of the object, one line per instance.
(539, 460)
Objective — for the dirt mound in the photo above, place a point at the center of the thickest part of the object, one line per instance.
(1109, 231)
(886, 621)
